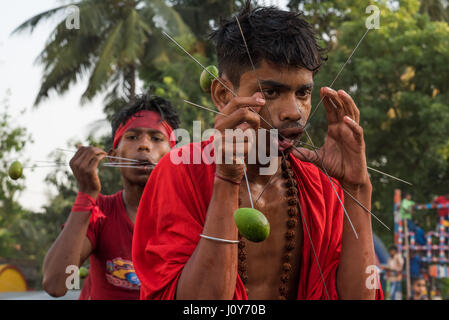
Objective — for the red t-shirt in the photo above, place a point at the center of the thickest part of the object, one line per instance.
(111, 273)
(443, 211)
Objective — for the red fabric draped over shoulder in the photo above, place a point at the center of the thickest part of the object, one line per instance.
(170, 220)
(173, 210)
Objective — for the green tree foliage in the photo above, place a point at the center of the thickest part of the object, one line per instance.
(328, 16)
(114, 39)
(437, 10)
(177, 78)
(12, 141)
(181, 81)
(399, 80)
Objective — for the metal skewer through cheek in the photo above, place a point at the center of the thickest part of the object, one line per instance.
(299, 205)
(106, 165)
(253, 67)
(110, 157)
(312, 147)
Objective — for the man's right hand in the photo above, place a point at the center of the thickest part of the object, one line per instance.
(238, 116)
(84, 165)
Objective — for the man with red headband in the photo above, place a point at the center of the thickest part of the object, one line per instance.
(100, 226)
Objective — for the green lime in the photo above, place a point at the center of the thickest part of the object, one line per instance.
(206, 78)
(252, 224)
(83, 272)
(15, 170)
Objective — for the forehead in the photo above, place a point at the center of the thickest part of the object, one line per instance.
(283, 74)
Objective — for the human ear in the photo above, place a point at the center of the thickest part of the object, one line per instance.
(220, 94)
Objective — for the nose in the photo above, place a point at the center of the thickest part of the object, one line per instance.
(145, 144)
(290, 111)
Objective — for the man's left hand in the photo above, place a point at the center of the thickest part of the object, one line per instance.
(343, 153)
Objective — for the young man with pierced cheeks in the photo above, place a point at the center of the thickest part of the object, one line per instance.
(101, 226)
(312, 251)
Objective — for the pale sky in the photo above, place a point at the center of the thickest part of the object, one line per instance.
(58, 119)
(55, 121)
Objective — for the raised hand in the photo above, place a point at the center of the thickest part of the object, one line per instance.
(343, 153)
(84, 166)
(236, 115)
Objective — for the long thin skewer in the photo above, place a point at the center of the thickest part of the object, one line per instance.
(347, 192)
(216, 78)
(199, 63)
(333, 187)
(368, 167)
(335, 79)
(358, 202)
(260, 88)
(200, 106)
(194, 59)
(108, 165)
(105, 164)
(173, 40)
(247, 185)
(266, 185)
(249, 56)
(128, 166)
(316, 148)
(311, 244)
(268, 110)
(389, 175)
(110, 157)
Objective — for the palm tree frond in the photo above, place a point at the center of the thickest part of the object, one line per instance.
(34, 21)
(104, 65)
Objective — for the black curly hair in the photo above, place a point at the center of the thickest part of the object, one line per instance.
(274, 35)
(147, 102)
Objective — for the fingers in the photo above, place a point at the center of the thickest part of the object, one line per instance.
(306, 155)
(256, 101)
(356, 129)
(335, 110)
(349, 102)
(238, 117)
(87, 158)
(338, 105)
(93, 163)
(238, 111)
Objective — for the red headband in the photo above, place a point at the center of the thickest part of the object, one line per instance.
(145, 119)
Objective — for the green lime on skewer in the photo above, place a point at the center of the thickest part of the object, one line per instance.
(83, 272)
(252, 224)
(15, 170)
(206, 78)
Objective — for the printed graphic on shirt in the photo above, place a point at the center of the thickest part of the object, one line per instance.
(121, 273)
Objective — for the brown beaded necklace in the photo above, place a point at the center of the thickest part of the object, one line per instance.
(292, 222)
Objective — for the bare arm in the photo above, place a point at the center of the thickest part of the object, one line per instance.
(343, 156)
(211, 271)
(72, 247)
(356, 254)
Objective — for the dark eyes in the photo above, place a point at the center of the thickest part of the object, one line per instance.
(274, 93)
(304, 93)
(135, 137)
(270, 93)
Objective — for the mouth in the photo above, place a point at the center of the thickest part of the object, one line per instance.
(287, 138)
(145, 162)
